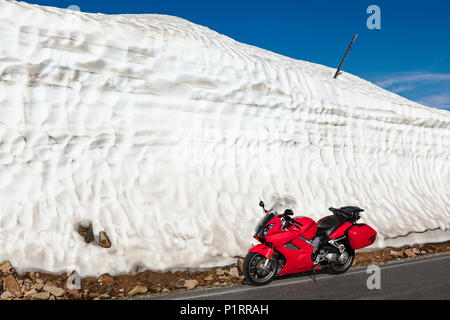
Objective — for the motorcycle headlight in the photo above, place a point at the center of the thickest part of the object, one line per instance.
(267, 228)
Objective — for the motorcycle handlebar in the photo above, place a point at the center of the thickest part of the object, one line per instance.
(293, 221)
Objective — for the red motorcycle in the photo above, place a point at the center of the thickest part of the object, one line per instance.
(293, 245)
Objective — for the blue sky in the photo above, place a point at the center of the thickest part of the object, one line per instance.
(409, 55)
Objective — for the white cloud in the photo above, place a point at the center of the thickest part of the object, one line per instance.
(427, 88)
(402, 88)
(441, 101)
(408, 77)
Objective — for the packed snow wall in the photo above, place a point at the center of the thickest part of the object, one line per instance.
(165, 135)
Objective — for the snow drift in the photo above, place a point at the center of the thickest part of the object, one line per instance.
(166, 134)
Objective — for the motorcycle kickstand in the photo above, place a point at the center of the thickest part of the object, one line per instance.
(313, 273)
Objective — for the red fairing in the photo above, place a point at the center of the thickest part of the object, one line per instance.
(297, 260)
(361, 235)
(262, 249)
(309, 229)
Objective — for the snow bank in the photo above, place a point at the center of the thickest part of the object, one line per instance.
(166, 134)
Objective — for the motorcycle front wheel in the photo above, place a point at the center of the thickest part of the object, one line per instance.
(258, 270)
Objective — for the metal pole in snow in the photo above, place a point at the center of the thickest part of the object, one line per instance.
(342, 62)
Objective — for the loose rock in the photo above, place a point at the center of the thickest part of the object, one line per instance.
(10, 284)
(106, 279)
(6, 267)
(29, 294)
(179, 283)
(234, 272)
(41, 296)
(6, 295)
(37, 286)
(410, 253)
(93, 295)
(220, 271)
(102, 296)
(137, 290)
(190, 284)
(156, 288)
(240, 264)
(396, 254)
(75, 294)
(208, 278)
(57, 292)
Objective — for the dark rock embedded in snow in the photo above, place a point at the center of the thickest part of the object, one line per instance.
(104, 240)
(86, 232)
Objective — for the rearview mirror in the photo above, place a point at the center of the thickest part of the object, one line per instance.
(261, 204)
(288, 212)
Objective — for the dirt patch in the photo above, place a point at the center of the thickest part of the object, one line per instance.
(35, 285)
(391, 254)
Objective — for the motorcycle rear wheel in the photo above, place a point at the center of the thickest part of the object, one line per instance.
(340, 269)
(254, 272)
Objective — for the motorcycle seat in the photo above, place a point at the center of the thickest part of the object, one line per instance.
(327, 225)
(348, 213)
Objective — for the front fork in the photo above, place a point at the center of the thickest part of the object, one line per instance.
(265, 250)
(266, 263)
(269, 254)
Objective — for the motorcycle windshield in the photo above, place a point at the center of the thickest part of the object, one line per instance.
(279, 208)
(263, 221)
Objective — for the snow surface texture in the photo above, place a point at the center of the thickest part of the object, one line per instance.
(166, 135)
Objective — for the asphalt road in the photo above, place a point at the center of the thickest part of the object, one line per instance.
(417, 278)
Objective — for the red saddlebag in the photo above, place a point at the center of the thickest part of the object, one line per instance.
(361, 235)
